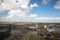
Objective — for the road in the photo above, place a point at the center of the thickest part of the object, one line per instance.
(26, 36)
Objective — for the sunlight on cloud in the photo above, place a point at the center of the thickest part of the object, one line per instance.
(45, 1)
(18, 10)
(34, 5)
(57, 6)
(33, 15)
(16, 13)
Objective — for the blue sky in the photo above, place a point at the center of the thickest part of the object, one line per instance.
(47, 10)
(30, 11)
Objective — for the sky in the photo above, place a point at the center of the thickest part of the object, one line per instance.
(30, 11)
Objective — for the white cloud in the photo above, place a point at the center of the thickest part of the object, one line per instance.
(57, 6)
(33, 15)
(13, 5)
(8, 5)
(15, 8)
(17, 14)
(31, 18)
(24, 3)
(45, 1)
(47, 19)
(58, 18)
(18, 10)
(34, 5)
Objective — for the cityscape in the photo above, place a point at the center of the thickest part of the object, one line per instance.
(29, 19)
(29, 31)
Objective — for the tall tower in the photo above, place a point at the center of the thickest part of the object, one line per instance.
(36, 26)
(45, 26)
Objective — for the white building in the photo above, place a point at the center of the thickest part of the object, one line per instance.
(33, 27)
(50, 27)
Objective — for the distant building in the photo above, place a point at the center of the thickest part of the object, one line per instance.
(33, 27)
(45, 26)
(57, 28)
(49, 27)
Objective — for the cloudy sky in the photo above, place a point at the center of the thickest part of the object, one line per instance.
(30, 11)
